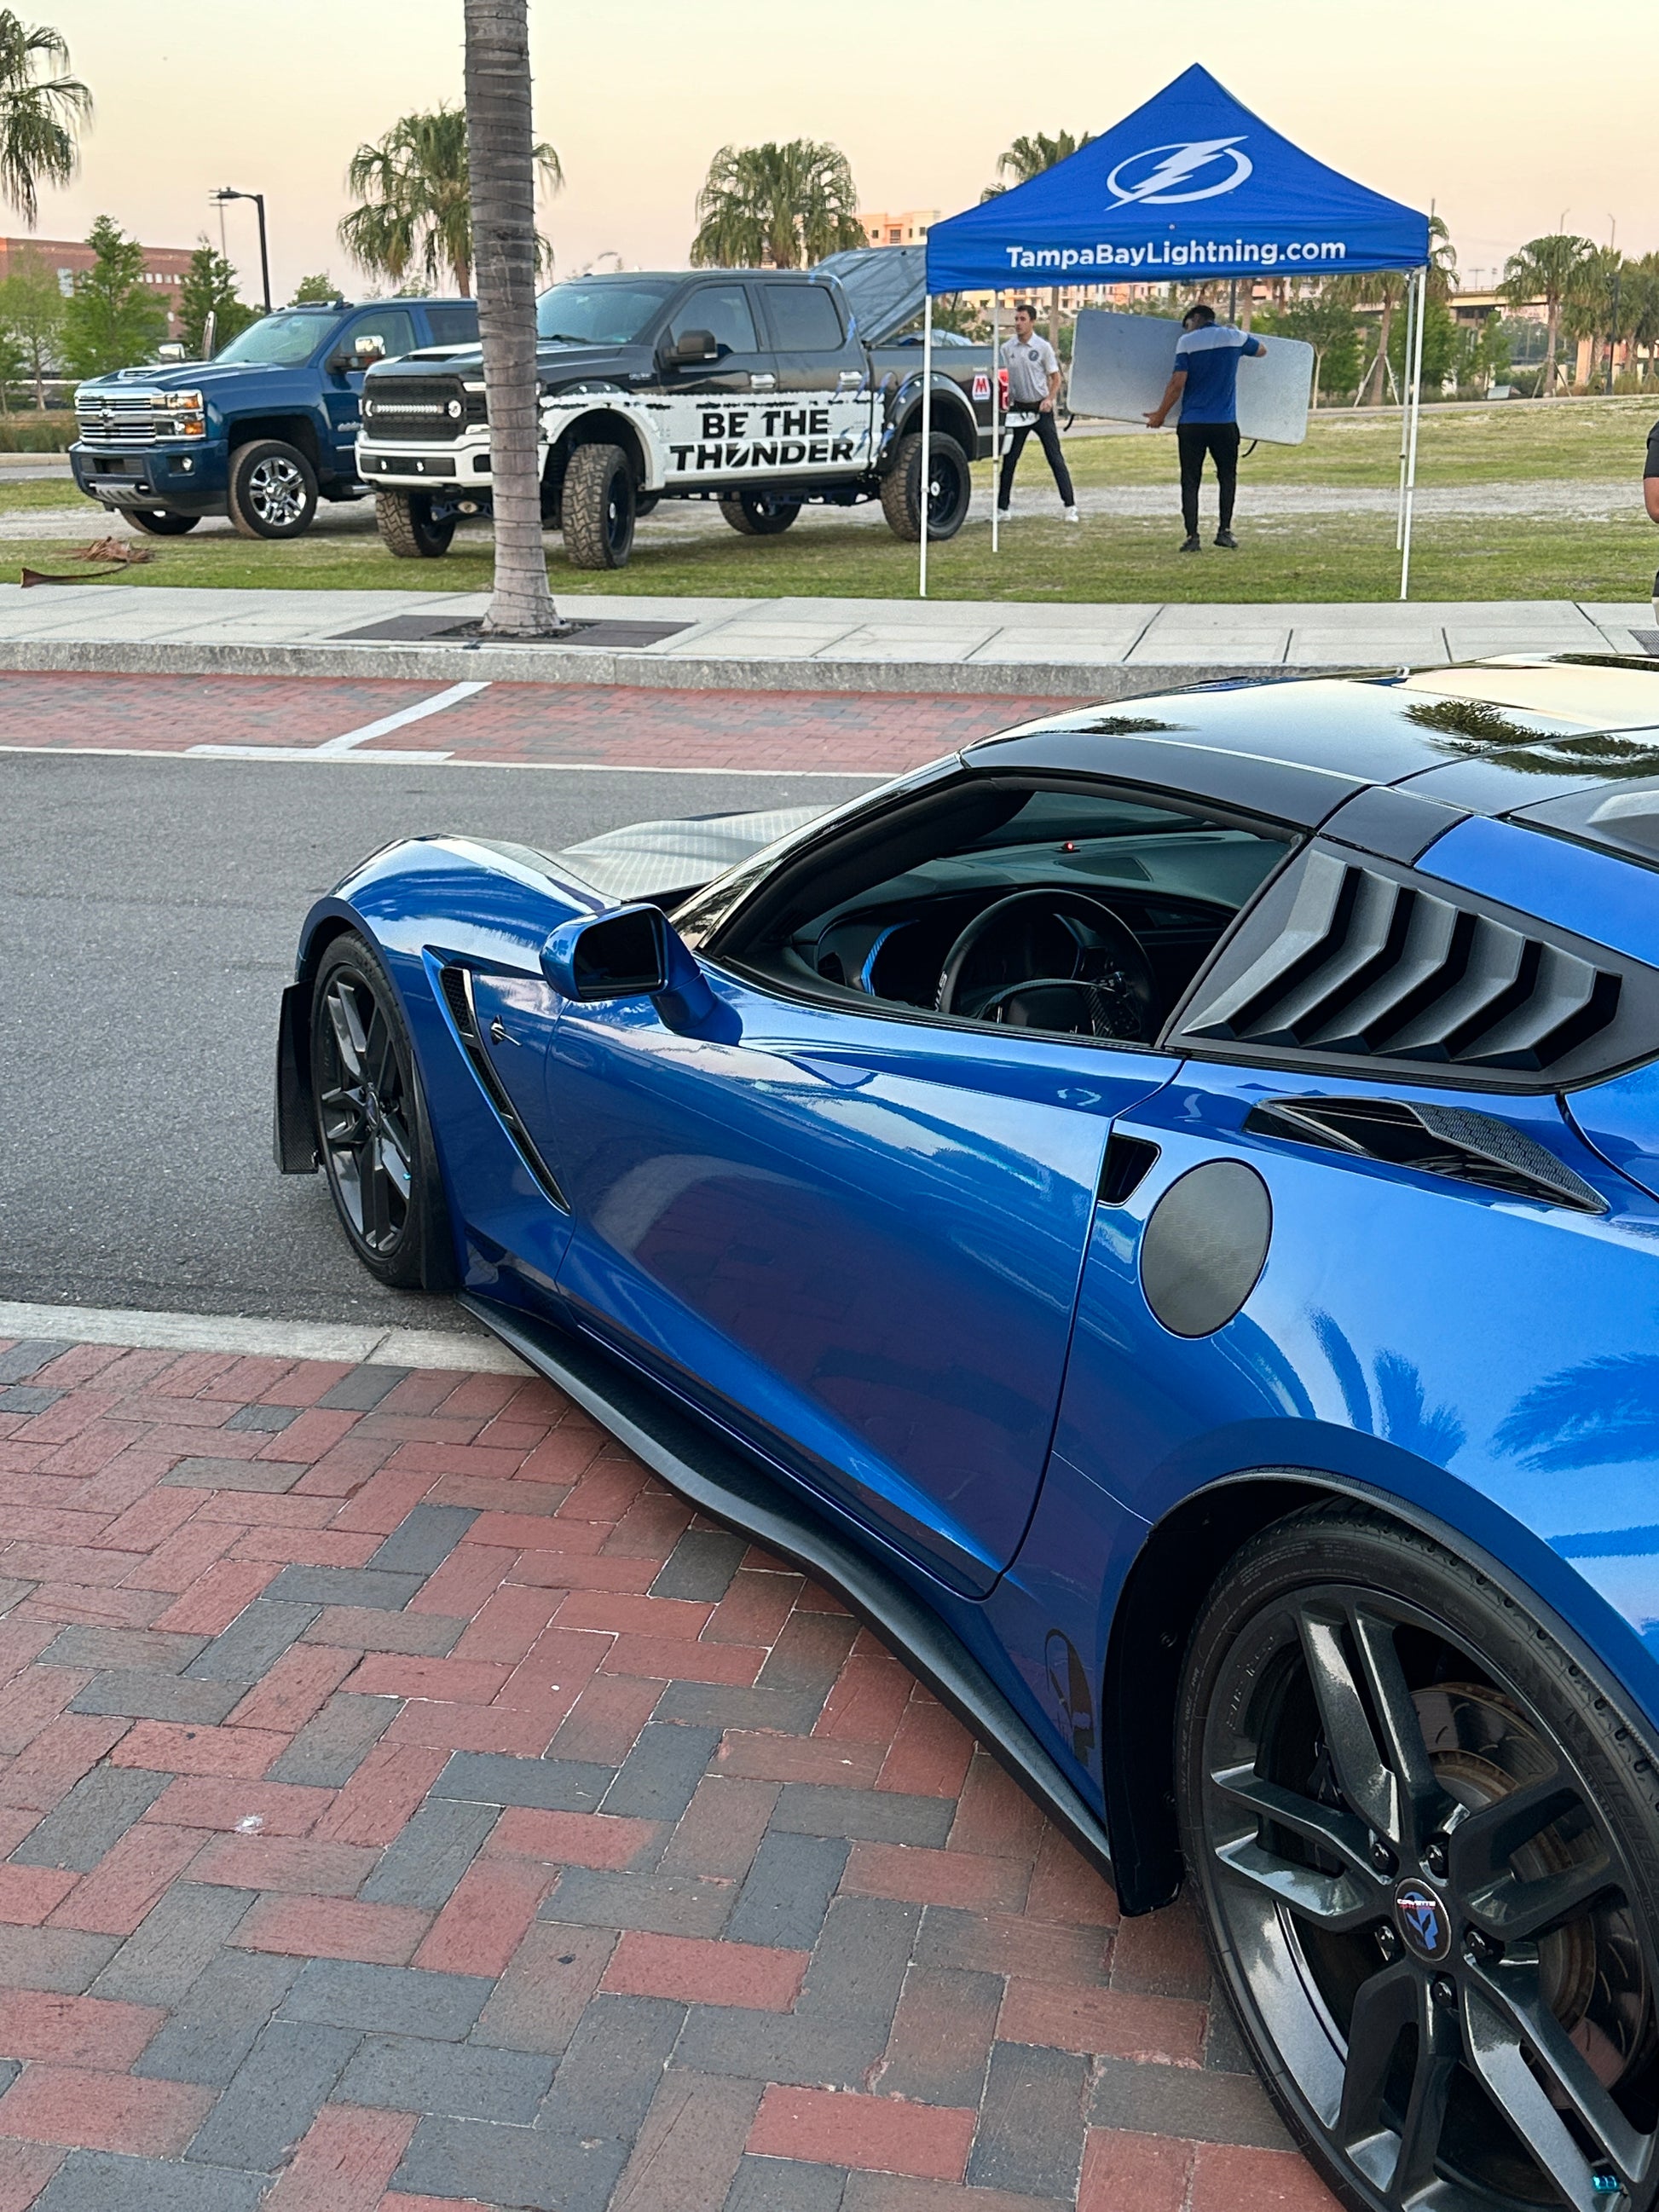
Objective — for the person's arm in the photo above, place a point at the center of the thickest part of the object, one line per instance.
(1047, 406)
(1254, 349)
(1172, 392)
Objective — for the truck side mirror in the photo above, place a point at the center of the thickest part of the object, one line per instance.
(171, 351)
(693, 347)
(633, 952)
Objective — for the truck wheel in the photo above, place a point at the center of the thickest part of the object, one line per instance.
(759, 513)
(949, 490)
(407, 530)
(599, 507)
(158, 522)
(272, 490)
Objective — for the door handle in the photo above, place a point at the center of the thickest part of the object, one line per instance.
(763, 380)
(848, 378)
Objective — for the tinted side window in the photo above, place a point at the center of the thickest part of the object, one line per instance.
(721, 308)
(804, 317)
(453, 325)
(381, 336)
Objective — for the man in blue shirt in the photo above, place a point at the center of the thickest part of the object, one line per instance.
(1205, 383)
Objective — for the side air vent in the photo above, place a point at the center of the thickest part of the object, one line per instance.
(1367, 965)
(456, 983)
(1440, 1140)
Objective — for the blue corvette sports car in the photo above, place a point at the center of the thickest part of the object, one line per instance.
(1161, 1211)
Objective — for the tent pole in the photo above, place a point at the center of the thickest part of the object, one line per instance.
(1404, 403)
(996, 410)
(1414, 398)
(927, 439)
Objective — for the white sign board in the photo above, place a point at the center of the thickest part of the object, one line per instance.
(1122, 363)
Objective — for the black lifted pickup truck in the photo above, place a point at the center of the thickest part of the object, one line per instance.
(760, 388)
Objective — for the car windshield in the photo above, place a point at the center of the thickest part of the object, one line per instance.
(606, 311)
(278, 341)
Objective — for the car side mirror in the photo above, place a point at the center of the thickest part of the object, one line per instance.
(171, 351)
(633, 952)
(692, 349)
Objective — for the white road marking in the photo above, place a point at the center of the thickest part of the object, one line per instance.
(448, 760)
(332, 748)
(263, 1339)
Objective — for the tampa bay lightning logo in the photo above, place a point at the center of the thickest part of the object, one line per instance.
(1423, 1921)
(1161, 176)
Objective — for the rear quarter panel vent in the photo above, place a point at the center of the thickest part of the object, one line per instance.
(1344, 961)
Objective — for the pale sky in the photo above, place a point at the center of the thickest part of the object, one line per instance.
(1503, 116)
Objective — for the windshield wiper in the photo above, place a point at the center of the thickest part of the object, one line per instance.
(570, 337)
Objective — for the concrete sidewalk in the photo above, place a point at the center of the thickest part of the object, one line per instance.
(830, 644)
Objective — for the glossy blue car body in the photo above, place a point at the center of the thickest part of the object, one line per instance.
(884, 1259)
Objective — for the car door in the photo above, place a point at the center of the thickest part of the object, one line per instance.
(707, 406)
(826, 405)
(378, 334)
(858, 1240)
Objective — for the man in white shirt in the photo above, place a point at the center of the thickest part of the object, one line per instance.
(1033, 374)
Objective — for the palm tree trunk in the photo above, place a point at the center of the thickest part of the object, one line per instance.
(499, 139)
(1378, 379)
(1053, 318)
(1553, 326)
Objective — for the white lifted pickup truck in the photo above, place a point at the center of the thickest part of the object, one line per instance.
(762, 389)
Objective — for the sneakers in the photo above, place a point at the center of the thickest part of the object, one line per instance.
(1193, 544)
(1225, 538)
(1071, 516)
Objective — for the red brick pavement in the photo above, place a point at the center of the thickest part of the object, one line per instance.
(408, 1803)
(592, 725)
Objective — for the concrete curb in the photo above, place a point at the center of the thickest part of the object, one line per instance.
(544, 663)
(252, 1338)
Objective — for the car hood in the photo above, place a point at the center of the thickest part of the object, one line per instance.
(199, 375)
(657, 859)
(555, 364)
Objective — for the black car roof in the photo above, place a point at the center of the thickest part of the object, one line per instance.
(1488, 738)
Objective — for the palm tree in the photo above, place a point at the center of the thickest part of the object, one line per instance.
(1546, 268)
(1028, 157)
(502, 167)
(414, 206)
(1443, 260)
(786, 205)
(38, 114)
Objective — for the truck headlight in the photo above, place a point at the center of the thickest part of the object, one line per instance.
(187, 410)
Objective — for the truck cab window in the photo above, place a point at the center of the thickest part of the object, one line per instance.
(382, 336)
(453, 325)
(721, 308)
(804, 317)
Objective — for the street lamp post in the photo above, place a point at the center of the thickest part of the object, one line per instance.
(226, 193)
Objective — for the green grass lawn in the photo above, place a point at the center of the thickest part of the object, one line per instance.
(19, 497)
(1295, 558)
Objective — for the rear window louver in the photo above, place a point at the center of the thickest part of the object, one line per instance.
(1366, 965)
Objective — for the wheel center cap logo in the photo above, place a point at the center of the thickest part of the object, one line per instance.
(1424, 1921)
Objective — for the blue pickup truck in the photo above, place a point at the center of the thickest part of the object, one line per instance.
(261, 432)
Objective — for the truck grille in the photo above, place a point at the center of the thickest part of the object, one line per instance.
(122, 418)
(421, 410)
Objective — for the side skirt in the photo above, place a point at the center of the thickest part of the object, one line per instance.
(719, 1480)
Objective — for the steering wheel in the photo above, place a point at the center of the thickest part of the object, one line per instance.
(1051, 960)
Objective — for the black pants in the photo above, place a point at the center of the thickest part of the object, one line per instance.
(1221, 440)
(1047, 431)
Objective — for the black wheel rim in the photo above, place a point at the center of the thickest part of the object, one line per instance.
(944, 491)
(1428, 1914)
(364, 1112)
(618, 513)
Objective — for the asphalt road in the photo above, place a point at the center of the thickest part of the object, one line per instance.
(149, 912)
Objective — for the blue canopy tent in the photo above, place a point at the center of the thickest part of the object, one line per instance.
(1193, 184)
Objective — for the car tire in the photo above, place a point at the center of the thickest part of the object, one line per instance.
(759, 513)
(272, 491)
(598, 507)
(373, 1137)
(158, 522)
(1425, 1846)
(404, 519)
(950, 492)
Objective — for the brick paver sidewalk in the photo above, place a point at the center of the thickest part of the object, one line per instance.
(405, 1801)
(589, 725)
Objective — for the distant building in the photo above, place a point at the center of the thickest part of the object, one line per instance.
(165, 267)
(909, 228)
